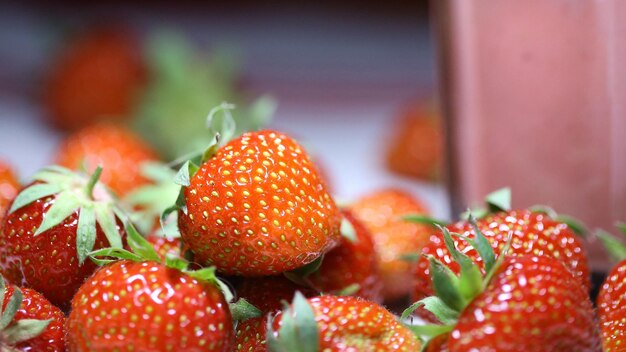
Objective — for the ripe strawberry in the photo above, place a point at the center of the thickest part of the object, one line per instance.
(532, 233)
(148, 306)
(532, 303)
(164, 246)
(9, 186)
(381, 212)
(98, 76)
(521, 303)
(51, 227)
(258, 207)
(416, 146)
(116, 149)
(267, 294)
(352, 263)
(333, 323)
(29, 321)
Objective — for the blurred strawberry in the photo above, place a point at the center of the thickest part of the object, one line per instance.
(97, 76)
(416, 146)
(116, 149)
(382, 214)
(9, 186)
(351, 266)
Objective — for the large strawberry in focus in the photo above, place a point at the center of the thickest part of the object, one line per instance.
(351, 266)
(9, 186)
(334, 323)
(116, 149)
(50, 228)
(145, 303)
(98, 76)
(382, 212)
(531, 233)
(258, 207)
(29, 322)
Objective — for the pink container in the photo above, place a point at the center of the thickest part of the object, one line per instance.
(535, 98)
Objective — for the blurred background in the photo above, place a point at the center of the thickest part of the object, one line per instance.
(533, 94)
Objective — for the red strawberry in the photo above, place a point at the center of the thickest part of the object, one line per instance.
(150, 307)
(531, 304)
(98, 76)
(31, 322)
(258, 207)
(267, 294)
(9, 187)
(51, 227)
(164, 246)
(116, 149)
(352, 263)
(416, 145)
(381, 212)
(522, 303)
(532, 233)
(332, 323)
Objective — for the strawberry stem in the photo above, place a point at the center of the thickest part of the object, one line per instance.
(92, 182)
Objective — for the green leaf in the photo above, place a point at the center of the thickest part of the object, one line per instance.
(140, 245)
(482, 245)
(347, 231)
(212, 149)
(229, 296)
(477, 212)
(261, 112)
(105, 217)
(622, 227)
(117, 253)
(413, 257)
(435, 305)
(349, 290)
(299, 275)
(183, 177)
(204, 274)
(85, 232)
(423, 219)
(93, 179)
(298, 331)
(445, 284)
(32, 193)
(157, 172)
(544, 209)
(222, 124)
(470, 279)
(429, 330)
(615, 248)
(175, 262)
(64, 205)
(12, 306)
(243, 310)
(499, 200)
(574, 224)
(25, 329)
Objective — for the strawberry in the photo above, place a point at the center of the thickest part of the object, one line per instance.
(611, 299)
(352, 264)
(142, 303)
(382, 214)
(116, 149)
(523, 302)
(416, 144)
(532, 233)
(334, 323)
(267, 294)
(50, 228)
(98, 76)
(29, 322)
(258, 207)
(9, 186)
(165, 246)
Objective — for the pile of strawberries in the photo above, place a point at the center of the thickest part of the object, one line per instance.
(244, 249)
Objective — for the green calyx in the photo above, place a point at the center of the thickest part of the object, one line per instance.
(300, 276)
(74, 192)
(12, 331)
(142, 250)
(298, 331)
(495, 202)
(612, 244)
(453, 293)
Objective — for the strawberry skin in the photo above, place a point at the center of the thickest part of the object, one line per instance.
(531, 304)
(47, 262)
(145, 306)
(612, 309)
(381, 212)
(164, 246)
(258, 207)
(116, 149)
(354, 324)
(9, 186)
(533, 233)
(36, 306)
(351, 263)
